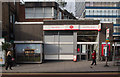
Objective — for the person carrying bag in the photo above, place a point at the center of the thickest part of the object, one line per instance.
(9, 61)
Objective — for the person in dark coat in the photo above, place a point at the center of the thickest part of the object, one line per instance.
(94, 57)
(9, 60)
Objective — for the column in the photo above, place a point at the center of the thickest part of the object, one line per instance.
(75, 42)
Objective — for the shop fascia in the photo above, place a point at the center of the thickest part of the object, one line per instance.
(72, 27)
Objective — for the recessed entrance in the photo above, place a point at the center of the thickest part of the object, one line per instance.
(87, 41)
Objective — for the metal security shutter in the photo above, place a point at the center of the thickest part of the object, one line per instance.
(58, 45)
(66, 46)
(51, 46)
(51, 51)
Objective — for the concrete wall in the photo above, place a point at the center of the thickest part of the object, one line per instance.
(28, 32)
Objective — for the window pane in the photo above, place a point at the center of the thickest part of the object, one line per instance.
(98, 12)
(103, 12)
(29, 10)
(48, 10)
(95, 12)
(39, 10)
(87, 12)
(83, 48)
(29, 15)
(39, 15)
(48, 15)
(87, 4)
(114, 12)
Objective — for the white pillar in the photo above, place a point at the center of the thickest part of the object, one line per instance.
(53, 12)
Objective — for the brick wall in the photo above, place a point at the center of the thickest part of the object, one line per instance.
(7, 27)
(103, 34)
(5, 20)
(0, 19)
(0, 11)
(21, 16)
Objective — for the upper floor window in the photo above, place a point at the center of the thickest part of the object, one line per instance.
(44, 12)
(87, 4)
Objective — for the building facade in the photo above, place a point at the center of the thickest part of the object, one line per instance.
(105, 11)
(61, 39)
(39, 11)
(29, 28)
(79, 8)
(76, 7)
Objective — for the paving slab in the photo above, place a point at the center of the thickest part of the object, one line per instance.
(63, 66)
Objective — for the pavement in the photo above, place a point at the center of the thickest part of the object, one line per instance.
(63, 67)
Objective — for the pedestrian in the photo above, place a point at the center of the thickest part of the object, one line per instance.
(9, 60)
(93, 58)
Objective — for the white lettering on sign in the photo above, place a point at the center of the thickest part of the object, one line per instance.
(89, 27)
(53, 27)
(71, 27)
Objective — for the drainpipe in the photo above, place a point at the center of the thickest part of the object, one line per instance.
(98, 45)
(99, 56)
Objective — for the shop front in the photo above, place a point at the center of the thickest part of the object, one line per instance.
(63, 42)
(28, 51)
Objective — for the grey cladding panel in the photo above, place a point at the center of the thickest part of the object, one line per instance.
(66, 48)
(51, 38)
(27, 32)
(50, 49)
(66, 38)
(56, 38)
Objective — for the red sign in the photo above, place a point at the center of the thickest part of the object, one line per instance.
(71, 27)
(78, 49)
(103, 45)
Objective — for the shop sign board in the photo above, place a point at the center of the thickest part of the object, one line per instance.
(71, 27)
